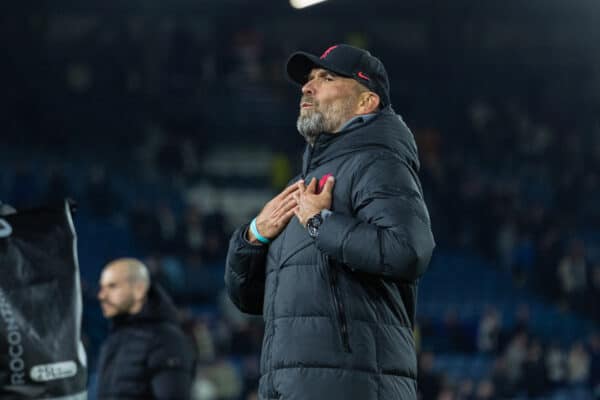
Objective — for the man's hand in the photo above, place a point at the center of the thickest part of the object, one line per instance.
(276, 214)
(310, 202)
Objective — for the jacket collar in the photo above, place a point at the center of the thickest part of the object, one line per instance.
(385, 130)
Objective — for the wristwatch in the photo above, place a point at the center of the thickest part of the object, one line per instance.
(313, 224)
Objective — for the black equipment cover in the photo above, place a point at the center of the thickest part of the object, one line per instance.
(41, 355)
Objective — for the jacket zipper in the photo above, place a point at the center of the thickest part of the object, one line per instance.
(306, 167)
(341, 314)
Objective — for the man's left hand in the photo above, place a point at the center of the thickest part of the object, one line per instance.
(310, 202)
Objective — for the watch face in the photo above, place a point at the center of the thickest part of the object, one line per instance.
(313, 224)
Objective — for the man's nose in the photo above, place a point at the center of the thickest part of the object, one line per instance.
(100, 294)
(308, 88)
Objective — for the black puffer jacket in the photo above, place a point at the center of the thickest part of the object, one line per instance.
(146, 355)
(340, 310)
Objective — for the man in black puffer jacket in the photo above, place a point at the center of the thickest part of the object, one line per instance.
(337, 286)
(146, 355)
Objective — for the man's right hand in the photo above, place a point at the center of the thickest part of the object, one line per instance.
(276, 214)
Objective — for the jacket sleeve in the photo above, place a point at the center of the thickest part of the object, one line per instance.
(390, 232)
(245, 273)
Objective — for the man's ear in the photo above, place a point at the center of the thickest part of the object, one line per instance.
(139, 290)
(368, 102)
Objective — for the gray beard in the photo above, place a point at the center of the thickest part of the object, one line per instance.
(310, 126)
(328, 120)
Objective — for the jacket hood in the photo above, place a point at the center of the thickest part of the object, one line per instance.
(158, 308)
(386, 131)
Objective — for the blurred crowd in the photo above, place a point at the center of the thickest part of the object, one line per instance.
(518, 364)
(519, 187)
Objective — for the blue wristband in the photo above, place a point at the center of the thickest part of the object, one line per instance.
(258, 236)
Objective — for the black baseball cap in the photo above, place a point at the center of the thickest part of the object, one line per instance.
(344, 60)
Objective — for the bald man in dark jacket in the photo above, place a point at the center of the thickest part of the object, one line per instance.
(333, 262)
(146, 355)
